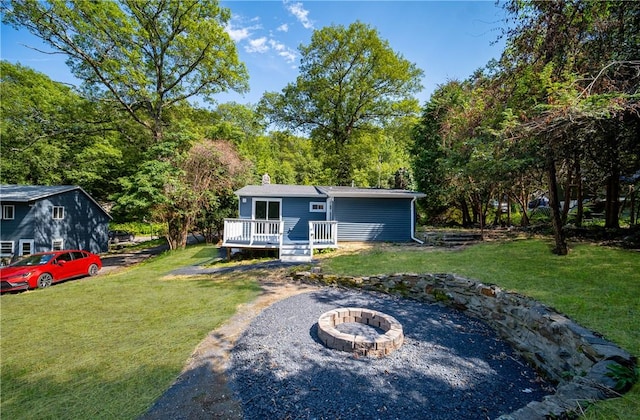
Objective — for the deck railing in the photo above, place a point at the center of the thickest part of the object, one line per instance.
(253, 232)
(323, 234)
(270, 233)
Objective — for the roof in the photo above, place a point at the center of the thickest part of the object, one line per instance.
(369, 192)
(282, 190)
(279, 190)
(29, 193)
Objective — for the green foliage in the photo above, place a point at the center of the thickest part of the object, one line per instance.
(350, 82)
(625, 376)
(50, 135)
(147, 56)
(140, 228)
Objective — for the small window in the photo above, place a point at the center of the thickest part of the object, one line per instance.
(78, 255)
(317, 207)
(57, 245)
(26, 246)
(8, 212)
(6, 248)
(58, 212)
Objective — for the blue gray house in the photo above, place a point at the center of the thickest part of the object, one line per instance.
(297, 219)
(45, 218)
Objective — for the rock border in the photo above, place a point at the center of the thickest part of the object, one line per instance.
(575, 358)
(382, 345)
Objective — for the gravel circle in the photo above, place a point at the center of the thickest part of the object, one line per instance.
(449, 367)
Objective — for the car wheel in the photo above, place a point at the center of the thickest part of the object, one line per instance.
(116, 240)
(93, 269)
(130, 238)
(45, 280)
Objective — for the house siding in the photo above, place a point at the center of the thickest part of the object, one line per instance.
(373, 219)
(296, 216)
(84, 225)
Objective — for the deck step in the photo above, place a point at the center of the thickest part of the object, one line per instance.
(295, 253)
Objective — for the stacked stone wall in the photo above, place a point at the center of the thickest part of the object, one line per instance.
(577, 359)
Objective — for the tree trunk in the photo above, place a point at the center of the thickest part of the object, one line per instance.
(178, 231)
(579, 193)
(567, 197)
(561, 247)
(612, 206)
(466, 217)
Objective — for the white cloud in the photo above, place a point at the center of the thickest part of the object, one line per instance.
(288, 55)
(283, 28)
(237, 34)
(298, 10)
(258, 45)
(283, 51)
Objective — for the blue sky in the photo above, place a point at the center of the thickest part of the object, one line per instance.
(446, 39)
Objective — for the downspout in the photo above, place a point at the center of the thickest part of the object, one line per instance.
(413, 221)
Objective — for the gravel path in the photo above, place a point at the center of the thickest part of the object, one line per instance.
(449, 367)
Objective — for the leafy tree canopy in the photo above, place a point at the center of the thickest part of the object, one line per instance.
(350, 81)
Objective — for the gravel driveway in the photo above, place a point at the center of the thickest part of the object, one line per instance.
(449, 367)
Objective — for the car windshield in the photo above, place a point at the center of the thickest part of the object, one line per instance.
(33, 260)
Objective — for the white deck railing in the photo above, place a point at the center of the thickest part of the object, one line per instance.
(270, 233)
(323, 234)
(239, 232)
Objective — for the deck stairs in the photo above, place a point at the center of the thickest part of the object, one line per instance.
(295, 252)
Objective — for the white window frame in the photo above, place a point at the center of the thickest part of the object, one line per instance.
(317, 207)
(3, 244)
(268, 200)
(58, 212)
(30, 242)
(6, 208)
(57, 244)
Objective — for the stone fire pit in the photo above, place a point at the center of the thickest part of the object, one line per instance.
(366, 344)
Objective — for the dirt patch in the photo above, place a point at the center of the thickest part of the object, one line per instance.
(201, 390)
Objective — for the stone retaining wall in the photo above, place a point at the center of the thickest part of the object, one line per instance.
(577, 359)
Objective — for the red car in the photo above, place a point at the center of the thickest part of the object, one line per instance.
(42, 269)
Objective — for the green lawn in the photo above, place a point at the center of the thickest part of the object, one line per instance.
(108, 346)
(598, 287)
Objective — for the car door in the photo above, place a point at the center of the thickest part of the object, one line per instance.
(63, 267)
(80, 262)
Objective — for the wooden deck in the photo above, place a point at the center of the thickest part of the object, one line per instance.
(269, 234)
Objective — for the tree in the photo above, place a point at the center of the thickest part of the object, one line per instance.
(587, 98)
(350, 81)
(148, 58)
(50, 135)
(185, 187)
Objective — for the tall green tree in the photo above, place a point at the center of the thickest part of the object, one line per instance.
(51, 135)
(350, 81)
(588, 97)
(148, 58)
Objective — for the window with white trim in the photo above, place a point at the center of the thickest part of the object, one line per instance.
(57, 245)
(8, 211)
(6, 248)
(26, 247)
(58, 212)
(318, 207)
(266, 209)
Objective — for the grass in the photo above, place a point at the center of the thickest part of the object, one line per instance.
(108, 346)
(598, 287)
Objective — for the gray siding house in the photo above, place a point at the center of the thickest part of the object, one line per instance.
(297, 219)
(44, 218)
